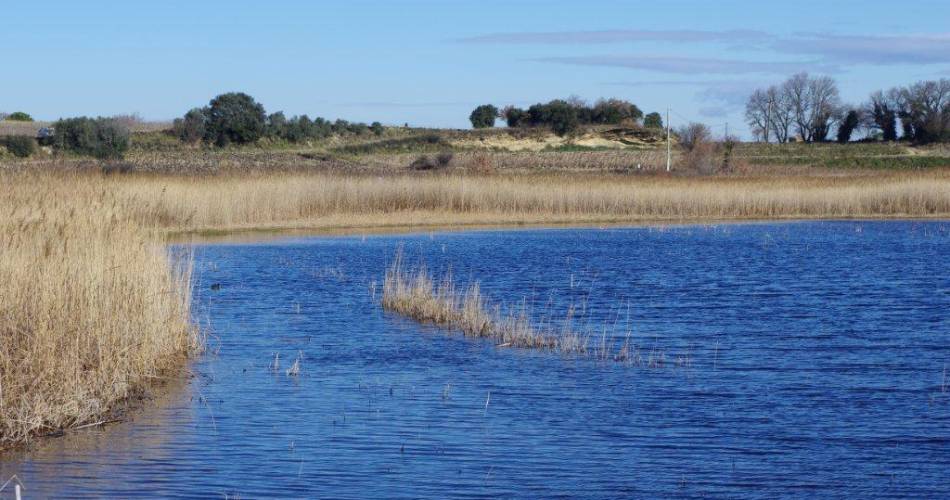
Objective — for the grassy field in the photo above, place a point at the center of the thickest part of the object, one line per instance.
(94, 311)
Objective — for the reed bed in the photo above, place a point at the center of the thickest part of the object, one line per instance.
(416, 295)
(92, 310)
(336, 200)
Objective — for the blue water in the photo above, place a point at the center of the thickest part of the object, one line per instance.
(816, 358)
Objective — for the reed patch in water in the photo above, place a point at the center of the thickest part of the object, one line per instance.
(417, 295)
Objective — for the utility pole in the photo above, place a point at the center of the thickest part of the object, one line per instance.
(768, 120)
(669, 150)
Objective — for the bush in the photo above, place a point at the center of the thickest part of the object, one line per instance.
(614, 112)
(558, 114)
(377, 129)
(693, 135)
(234, 117)
(276, 125)
(21, 146)
(653, 120)
(19, 116)
(103, 138)
(700, 152)
(425, 163)
(422, 163)
(483, 116)
(444, 159)
(192, 127)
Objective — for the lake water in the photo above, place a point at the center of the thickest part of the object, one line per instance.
(812, 363)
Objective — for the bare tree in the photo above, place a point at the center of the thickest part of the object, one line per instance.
(814, 103)
(782, 114)
(924, 109)
(694, 135)
(757, 111)
(795, 89)
(825, 107)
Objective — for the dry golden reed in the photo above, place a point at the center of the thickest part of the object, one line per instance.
(337, 200)
(416, 295)
(91, 308)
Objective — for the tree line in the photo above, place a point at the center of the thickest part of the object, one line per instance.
(236, 118)
(565, 116)
(809, 109)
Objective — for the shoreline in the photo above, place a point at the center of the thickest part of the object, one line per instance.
(259, 234)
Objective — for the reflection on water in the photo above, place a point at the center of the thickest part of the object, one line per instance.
(817, 348)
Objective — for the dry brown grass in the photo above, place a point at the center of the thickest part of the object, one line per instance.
(416, 295)
(319, 201)
(91, 310)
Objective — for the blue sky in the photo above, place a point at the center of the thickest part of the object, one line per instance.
(430, 62)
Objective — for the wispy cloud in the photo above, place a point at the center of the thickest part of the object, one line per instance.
(670, 83)
(730, 95)
(690, 65)
(620, 36)
(714, 112)
(394, 104)
(869, 49)
(826, 52)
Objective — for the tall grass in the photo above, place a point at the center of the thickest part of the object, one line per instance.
(91, 308)
(335, 200)
(416, 295)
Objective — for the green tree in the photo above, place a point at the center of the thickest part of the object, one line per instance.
(19, 116)
(483, 116)
(653, 120)
(851, 122)
(514, 117)
(234, 117)
(614, 112)
(377, 128)
(193, 127)
(557, 114)
(276, 124)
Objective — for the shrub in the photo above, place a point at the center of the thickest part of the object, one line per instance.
(21, 146)
(358, 128)
(483, 116)
(422, 163)
(193, 127)
(377, 129)
(234, 117)
(700, 152)
(444, 159)
(653, 120)
(103, 138)
(276, 125)
(693, 135)
(19, 116)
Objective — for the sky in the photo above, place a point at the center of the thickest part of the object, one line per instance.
(429, 63)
